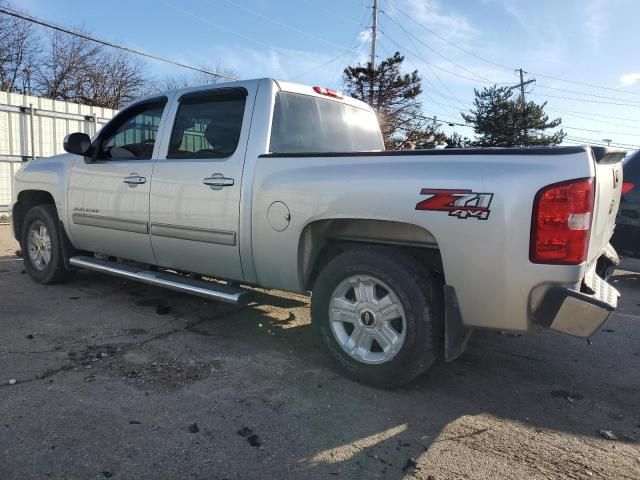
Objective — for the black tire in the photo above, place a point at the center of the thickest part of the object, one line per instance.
(55, 270)
(420, 295)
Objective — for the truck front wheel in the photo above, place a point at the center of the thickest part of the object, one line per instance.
(380, 313)
(41, 250)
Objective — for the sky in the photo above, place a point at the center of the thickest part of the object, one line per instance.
(456, 45)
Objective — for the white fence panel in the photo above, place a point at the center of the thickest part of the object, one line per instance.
(33, 127)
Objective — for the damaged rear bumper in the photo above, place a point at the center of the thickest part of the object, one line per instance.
(578, 313)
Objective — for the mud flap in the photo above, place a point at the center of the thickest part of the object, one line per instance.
(68, 250)
(456, 335)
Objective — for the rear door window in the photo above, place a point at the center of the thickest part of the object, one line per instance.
(208, 124)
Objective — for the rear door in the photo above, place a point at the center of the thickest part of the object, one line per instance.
(195, 192)
(109, 198)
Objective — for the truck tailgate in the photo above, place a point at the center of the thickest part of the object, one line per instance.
(608, 186)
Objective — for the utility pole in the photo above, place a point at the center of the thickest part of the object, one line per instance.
(521, 85)
(374, 28)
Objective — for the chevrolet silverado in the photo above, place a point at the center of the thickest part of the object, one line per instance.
(215, 189)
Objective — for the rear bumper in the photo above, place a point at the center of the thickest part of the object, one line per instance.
(577, 313)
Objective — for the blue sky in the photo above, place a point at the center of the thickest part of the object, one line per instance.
(587, 41)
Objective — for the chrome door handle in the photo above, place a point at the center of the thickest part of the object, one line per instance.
(217, 181)
(134, 179)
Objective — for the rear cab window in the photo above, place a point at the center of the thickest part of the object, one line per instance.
(208, 124)
(306, 124)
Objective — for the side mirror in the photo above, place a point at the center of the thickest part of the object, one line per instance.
(78, 143)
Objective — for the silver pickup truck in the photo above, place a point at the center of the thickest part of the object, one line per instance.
(285, 186)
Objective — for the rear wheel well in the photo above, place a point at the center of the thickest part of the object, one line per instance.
(28, 199)
(322, 241)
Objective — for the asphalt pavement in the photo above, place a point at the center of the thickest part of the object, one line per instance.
(115, 379)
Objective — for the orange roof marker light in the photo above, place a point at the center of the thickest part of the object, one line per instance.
(328, 92)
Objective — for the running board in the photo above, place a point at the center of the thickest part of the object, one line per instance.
(211, 290)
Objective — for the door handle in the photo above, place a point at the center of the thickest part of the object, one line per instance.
(217, 181)
(134, 179)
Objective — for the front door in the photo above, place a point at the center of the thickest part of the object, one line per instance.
(195, 192)
(108, 197)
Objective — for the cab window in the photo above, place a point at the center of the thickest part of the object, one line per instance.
(208, 124)
(132, 134)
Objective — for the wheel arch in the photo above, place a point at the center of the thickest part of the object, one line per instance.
(322, 240)
(27, 199)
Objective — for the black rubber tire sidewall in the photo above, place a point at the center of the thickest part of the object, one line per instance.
(417, 290)
(55, 272)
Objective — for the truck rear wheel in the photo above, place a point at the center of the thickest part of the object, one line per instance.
(41, 250)
(380, 313)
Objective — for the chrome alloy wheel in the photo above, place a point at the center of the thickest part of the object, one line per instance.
(367, 319)
(39, 245)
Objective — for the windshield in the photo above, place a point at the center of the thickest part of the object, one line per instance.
(303, 123)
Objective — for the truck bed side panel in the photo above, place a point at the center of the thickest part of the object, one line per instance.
(486, 261)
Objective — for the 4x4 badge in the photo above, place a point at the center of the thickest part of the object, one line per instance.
(458, 203)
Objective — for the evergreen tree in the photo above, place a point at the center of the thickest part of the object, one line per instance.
(392, 94)
(502, 120)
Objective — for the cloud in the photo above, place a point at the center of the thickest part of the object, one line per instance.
(304, 66)
(629, 79)
(596, 23)
(364, 35)
(429, 13)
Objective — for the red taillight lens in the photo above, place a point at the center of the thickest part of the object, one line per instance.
(561, 222)
(627, 187)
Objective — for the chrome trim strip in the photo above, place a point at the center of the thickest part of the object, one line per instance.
(135, 226)
(211, 290)
(194, 234)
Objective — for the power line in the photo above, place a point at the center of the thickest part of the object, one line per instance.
(409, 34)
(584, 100)
(491, 62)
(619, 90)
(598, 115)
(602, 131)
(209, 22)
(615, 124)
(447, 41)
(452, 97)
(32, 19)
(282, 24)
(419, 57)
(448, 122)
(587, 94)
(331, 12)
(590, 141)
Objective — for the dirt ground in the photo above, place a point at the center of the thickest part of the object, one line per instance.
(119, 380)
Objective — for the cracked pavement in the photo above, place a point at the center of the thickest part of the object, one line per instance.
(120, 380)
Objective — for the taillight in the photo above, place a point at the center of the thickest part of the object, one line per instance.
(627, 187)
(561, 222)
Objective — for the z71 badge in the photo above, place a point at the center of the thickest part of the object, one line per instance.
(459, 203)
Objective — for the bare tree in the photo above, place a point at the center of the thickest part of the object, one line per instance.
(112, 81)
(78, 70)
(174, 82)
(70, 68)
(61, 69)
(18, 49)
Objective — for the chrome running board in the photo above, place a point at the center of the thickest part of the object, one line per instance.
(211, 290)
